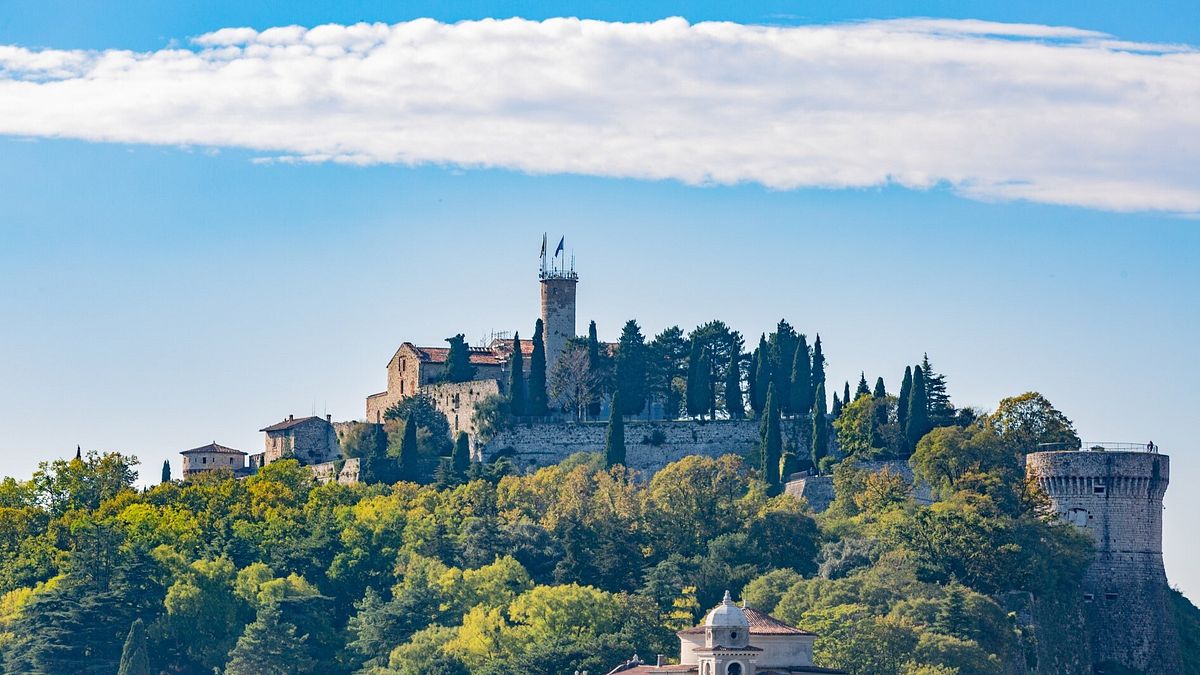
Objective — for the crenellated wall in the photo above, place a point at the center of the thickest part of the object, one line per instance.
(1117, 499)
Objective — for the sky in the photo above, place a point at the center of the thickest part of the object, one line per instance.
(215, 216)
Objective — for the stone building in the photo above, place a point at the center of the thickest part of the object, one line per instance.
(558, 309)
(413, 368)
(212, 456)
(736, 641)
(311, 440)
(1114, 493)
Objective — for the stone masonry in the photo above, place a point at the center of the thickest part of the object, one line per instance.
(558, 313)
(1117, 498)
(458, 401)
(311, 440)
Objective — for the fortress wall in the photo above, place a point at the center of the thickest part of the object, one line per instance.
(326, 472)
(458, 402)
(537, 445)
(1116, 498)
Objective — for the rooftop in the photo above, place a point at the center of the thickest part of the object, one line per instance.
(1099, 446)
(291, 422)
(213, 448)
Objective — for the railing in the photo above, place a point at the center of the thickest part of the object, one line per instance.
(1099, 446)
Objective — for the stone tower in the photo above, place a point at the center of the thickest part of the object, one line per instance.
(558, 308)
(1114, 492)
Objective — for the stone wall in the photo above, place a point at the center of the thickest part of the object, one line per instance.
(649, 445)
(311, 442)
(558, 316)
(1116, 498)
(458, 401)
(819, 492)
(344, 472)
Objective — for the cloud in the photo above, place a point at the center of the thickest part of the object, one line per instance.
(994, 111)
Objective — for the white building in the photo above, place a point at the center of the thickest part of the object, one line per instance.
(736, 641)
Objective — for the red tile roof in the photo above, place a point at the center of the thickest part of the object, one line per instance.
(479, 356)
(213, 447)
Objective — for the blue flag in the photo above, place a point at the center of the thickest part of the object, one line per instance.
(560, 246)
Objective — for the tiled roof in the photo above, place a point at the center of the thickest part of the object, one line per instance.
(213, 447)
(478, 356)
(291, 422)
(761, 623)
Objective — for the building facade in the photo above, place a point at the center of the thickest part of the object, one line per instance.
(1115, 494)
(413, 368)
(311, 440)
(210, 457)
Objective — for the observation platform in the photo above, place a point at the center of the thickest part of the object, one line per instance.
(1100, 446)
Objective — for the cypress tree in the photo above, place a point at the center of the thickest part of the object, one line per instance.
(880, 391)
(632, 369)
(166, 471)
(458, 360)
(783, 353)
(135, 659)
(918, 413)
(734, 406)
(710, 389)
(762, 381)
(820, 428)
(863, 389)
(696, 400)
(902, 403)
(516, 379)
(818, 366)
(407, 458)
(594, 365)
(836, 410)
(846, 393)
(536, 401)
(772, 440)
(880, 411)
(614, 444)
(802, 389)
(751, 382)
(460, 458)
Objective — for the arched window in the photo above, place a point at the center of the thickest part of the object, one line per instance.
(733, 635)
(734, 668)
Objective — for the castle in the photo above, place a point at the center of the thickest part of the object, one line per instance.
(1114, 492)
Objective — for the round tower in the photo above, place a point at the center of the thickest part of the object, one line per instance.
(1114, 492)
(558, 310)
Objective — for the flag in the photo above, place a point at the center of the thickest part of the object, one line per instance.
(560, 246)
(543, 253)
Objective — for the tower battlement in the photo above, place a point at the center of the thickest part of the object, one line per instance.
(1116, 497)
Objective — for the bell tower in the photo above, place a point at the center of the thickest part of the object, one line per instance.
(558, 281)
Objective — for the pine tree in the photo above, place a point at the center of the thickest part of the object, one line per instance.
(516, 379)
(880, 390)
(918, 411)
(802, 389)
(407, 459)
(536, 401)
(836, 410)
(458, 360)
(734, 406)
(269, 646)
(595, 366)
(820, 428)
(460, 457)
(902, 403)
(952, 615)
(166, 471)
(863, 389)
(818, 366)
(614, 444)
(772, 440)
(941, 410)
(696, 400)
(762, 380)
(631, 370)
(135, 660)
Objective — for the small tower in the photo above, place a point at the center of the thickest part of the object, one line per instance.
(1114, 492)
(558, 280)
(727, 649)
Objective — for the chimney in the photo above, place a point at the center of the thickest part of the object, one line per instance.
(662, 661)
(291, 417)
(329, 418)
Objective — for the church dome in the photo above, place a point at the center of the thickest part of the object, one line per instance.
(727, 614)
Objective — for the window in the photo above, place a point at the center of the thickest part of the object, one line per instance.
(204, 460)
(1110, 596)
(1078, 517)
(1088, 597)
(733, 635)
(734, 668)
(1098, 489)
(231, 460)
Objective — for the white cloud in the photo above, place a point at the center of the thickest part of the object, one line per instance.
(996, 111)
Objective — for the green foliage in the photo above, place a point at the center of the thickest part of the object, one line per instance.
(697, 389)
(1024, 422)
(166, 471)
(902, 403)
(433, 425)
(460, 459)
(941, 411)
(863, 389)
(407, 456)
(135, 660)
(668, 363)
(597, 364)
(614, 442)
(631, 369)
(1187, 622)
(458, 361)
(818, 369)
(917, 424)
(859, 432)
(536, 400)
(820, 426)
(734, 402)
(270, 646)
(491, 417)
(802, 388)
(771, 449)
(516, 382)
(720, 345)
(762, 377)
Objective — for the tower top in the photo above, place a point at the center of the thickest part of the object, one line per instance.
(555, 264)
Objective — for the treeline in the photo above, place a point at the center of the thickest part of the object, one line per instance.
(574, 567)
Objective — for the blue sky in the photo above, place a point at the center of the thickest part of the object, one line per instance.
(163, 295)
